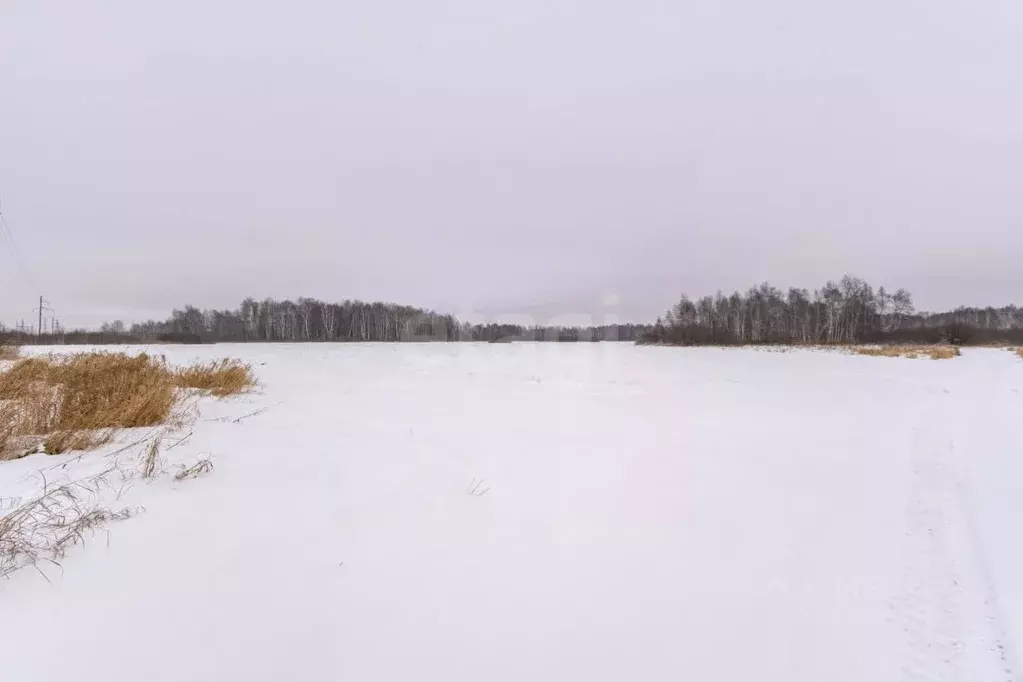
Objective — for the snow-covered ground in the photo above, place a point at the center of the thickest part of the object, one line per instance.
(556, 512)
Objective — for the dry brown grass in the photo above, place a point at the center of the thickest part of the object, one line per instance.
(9, 352)
(21, 376)
(909, 351)
(1018, 350)
(78, 402)
(219, 377)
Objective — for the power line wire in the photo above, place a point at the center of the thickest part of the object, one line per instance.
(6, 233)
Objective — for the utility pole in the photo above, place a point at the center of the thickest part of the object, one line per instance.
(43, 305)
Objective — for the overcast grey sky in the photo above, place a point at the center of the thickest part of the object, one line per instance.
(489, 157)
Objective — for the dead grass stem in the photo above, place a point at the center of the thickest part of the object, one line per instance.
(203, 466)
(150, 459)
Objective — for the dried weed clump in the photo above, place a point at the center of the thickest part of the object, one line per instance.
(9, 353)
(909, 351)
(99, 390)
(219, 377)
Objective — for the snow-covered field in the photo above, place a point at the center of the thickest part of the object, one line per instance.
(555, 512)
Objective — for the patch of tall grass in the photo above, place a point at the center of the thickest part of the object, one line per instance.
(78, 401)
(937, 352)
(219, 377)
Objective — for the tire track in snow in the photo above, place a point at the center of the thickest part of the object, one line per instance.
(947, 610)
(930, 607)
(989, 412)
(1002, 643)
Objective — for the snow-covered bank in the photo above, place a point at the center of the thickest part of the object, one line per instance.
(650, 513)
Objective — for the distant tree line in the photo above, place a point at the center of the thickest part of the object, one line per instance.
(308, 319)
(495, 332)
(849, 311)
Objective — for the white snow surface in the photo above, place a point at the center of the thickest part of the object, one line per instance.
(648, 514)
